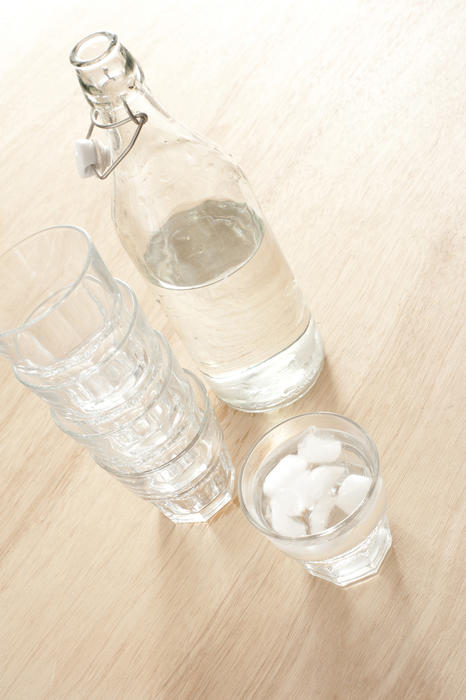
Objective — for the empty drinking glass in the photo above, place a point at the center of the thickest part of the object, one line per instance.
(79, 339)
(189, 477)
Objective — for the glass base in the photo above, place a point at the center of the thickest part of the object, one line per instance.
(204, 515)
(202, 501)
(358, 563)
(276, 382)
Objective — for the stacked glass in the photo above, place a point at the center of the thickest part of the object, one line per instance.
(79, 339)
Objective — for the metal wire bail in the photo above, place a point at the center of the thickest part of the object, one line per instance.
(139, 118)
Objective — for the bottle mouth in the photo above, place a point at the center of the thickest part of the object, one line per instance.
(92, 49)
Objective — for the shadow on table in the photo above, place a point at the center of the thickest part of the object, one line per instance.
(214, 581)
(358, 641)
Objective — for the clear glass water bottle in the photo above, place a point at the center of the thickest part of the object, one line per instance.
(187, 217)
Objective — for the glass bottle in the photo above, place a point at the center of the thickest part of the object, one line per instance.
(187, 217)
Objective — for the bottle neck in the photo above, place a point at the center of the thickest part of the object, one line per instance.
(107, 72)
(111, 78)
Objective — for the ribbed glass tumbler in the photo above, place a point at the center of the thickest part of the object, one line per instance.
(79, 339)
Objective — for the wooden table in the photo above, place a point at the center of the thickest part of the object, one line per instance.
(349, 119)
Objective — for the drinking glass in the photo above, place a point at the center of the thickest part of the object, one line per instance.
(189, 477)
(59, 304)
(325, 506)
(79, 339)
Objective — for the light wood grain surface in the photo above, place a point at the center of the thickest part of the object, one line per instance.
(349, 119)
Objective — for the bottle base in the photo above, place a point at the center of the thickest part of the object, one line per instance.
(276, 382)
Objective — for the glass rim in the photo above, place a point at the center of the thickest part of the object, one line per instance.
(103, 361)
(70, 289)
(79, 63)
(207, 411)
(87, 436)
(340, 527)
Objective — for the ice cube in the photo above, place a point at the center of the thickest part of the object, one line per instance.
(304, 485)
(320, 515)
(282, 522)
(318, 449)
(352, 492)
(288, 500)
(283, 473)
(318, 483)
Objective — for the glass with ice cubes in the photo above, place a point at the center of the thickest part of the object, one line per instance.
(312, 485)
